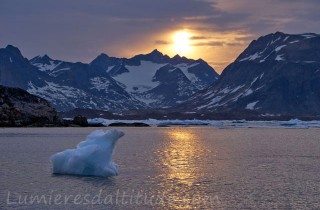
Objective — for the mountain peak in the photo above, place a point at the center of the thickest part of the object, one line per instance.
(101, 58)
(14, 50)
(156, 52)
(279, 33)
(178, 59)
(155, 56)
(10, 47)
(104, 60)
(44, 59)
(286, 37)
(103, 55)
(278, 47)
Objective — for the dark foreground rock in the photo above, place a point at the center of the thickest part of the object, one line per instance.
(80, 121)
(19, 108)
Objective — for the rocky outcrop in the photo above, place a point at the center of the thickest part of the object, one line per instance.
(19, 108)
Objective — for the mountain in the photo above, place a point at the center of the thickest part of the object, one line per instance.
(277, 74)
(158, 80)
(149, 81)
(73, 85)
(19, 108)
(16, 71)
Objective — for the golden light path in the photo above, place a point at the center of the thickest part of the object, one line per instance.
(180, 157)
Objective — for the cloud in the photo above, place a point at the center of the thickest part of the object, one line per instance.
(199, 37)
(231, 44)
(78, 30)
(210, 43)
(162, 42)
(262, 17)
(121, 9)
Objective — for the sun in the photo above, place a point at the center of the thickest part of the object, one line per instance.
(181, 42)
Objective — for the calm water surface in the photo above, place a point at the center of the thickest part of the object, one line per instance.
(167, 168)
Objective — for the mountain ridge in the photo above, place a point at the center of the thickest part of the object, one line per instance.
(276, 74)
(106, 82)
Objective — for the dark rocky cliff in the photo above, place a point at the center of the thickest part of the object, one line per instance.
(19, 108)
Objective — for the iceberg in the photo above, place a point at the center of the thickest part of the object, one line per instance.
(91, 157)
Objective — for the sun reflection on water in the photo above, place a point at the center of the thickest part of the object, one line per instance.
(179, 158)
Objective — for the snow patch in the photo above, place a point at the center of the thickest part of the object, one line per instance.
(285, 39)
(109, 69)
(248, 92)
(310, 61)
(237, 88)
(54, 92)
(251, 106)
(254, 80)
(99, 83)
(47, 67)
(308, 36)
(172, 70)
(184, 67)
(215, 100)
(274, 41)
(279, 58)
(251, 57)
(225, 90)
(265, 58)
(139, 78)
(280, 47)
(296, 41)
(260, 87)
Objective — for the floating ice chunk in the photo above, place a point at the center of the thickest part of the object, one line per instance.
(92, 157)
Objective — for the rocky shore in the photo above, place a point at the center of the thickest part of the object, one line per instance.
(19, 108)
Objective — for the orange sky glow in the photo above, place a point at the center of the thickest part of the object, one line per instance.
(218, 30)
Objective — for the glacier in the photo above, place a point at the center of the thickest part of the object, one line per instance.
(91, 157)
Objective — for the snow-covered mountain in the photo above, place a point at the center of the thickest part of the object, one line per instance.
(158, 80)
(277, 74)
(146, 81)
(74, 85)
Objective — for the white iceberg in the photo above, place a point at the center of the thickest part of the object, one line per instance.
(92, 157)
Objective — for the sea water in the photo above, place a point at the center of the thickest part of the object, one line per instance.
(167, 168)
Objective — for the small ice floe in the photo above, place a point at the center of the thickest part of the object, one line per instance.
(91, 157)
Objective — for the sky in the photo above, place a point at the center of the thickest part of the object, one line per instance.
(214, 30)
